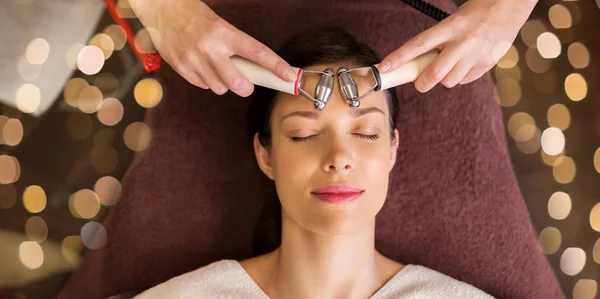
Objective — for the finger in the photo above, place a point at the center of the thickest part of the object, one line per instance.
(196, 79)
(439, 68)
(188, 74)
(458, 73)
(250, 48)
(230, 76)
(206, 71)
(474, 74)
(420, 44)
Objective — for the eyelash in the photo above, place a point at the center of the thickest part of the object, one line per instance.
(307, 138)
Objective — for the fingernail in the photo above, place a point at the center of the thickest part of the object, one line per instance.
(385, 67)
(290, 75)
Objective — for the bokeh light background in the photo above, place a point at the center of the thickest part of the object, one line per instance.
(60, 171)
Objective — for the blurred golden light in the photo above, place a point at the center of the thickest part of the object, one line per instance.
(596, 251)
(90, 60)
(107, 83)
(572, 261)
(27, 70)
(525, 133)
(79, 126)
(84, 204)
(8, 196)
(37, 51)
(551, 160)
(550, 240)
(73, 89)
(93, 235)
(148, 93)
(90, 99)
(532, 145)
(509, 91)
(10, 169)
(3, 120)
(531, 30)
(28, 98)
(564, 170)
(585, 289)
(31, 255)
(72, 54)
(518, 120)
(595, 217)
(109, 190)
(578, 54)
(70, 247)
(548, 45)
(559, 205)
(536, 62)
(597, 160)
(553, 141)
(104, 43)
(558, 116)
(12, 133)
(34, 199)
(560, 16)
(137, 136)
(510, 58)
(36, 229)
(118, 36)
(104, 158)
(143, 42)
(111, 112)
(576, 87)
(575, 11)
(512, 73)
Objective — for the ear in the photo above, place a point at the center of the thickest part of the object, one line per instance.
(263, 157)
(394, 149)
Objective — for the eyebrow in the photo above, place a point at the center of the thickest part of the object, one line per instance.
(314, 115)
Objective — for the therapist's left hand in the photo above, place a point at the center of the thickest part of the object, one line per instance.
(471, 41)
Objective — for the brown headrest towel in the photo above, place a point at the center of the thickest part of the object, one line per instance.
(195, 195)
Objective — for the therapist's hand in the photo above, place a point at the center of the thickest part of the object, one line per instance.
(198, 44)
(471, 41)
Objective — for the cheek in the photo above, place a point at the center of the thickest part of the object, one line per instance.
(375, 169)
(293, 167)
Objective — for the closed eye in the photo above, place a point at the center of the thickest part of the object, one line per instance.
(369, 137)
(302, 139)
(308, 138)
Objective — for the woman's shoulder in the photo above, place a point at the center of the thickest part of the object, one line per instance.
(417, 281)
(221, 279)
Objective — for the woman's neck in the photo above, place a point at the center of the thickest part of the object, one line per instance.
(310, 265)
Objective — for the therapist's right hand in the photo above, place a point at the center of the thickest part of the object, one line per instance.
(198, 44)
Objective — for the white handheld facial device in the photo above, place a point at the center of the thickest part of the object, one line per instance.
(407, 72)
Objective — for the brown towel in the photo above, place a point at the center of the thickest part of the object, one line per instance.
(194, 196)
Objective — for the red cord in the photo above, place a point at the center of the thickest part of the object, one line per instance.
(151, 61)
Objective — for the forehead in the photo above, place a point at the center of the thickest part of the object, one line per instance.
(286, 103)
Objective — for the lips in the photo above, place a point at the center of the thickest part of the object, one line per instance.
(338, 193)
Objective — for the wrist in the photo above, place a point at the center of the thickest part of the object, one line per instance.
(146, 11)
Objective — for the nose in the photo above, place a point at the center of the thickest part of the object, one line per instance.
(340, 157)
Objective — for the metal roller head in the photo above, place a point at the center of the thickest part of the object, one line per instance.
(324, 87)
(347, 84)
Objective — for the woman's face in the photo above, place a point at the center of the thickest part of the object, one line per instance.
(340, 145)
